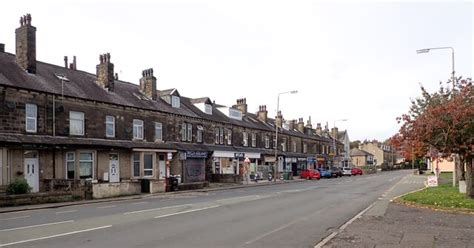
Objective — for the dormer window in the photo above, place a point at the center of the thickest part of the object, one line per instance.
(235, 114)
(208, 109)
(175, 103)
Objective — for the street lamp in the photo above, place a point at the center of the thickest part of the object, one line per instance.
(334, 140)
(427, 50)
(276, 131)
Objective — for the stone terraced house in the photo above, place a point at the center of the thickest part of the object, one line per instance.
(97, 136)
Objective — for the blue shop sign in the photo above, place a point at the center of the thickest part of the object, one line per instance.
(196, 154)
(239, 155)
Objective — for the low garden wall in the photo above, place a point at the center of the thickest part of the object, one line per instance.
(36, 198)
(106, 190)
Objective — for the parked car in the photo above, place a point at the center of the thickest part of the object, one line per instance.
(356, 171)
(310, 174)
(336, 172)
(324, 172)
(347, 171)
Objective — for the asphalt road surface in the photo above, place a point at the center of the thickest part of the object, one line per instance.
(298, 214)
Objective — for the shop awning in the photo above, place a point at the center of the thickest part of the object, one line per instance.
(152, 150)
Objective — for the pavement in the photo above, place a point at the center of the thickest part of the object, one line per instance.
(212, 187)
(298, 214)
(389, 224)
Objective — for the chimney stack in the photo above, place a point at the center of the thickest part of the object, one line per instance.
(2, 48)
(116, 76)
(65, 62)
(301, 125)
(334, 132)
(319, 130)
(241, 105)
(292, 124)
(26, 44)
(262, 113)
(279, 119)
(148, 84)
(105, 72)
(74, 64)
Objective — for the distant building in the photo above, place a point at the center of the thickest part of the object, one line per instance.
(384, 155)
(361, 157)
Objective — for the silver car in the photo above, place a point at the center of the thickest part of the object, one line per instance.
(347, 171)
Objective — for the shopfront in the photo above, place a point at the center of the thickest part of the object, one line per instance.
(311, 162)
(224, 162)
(321, 161)
(194, 166)
(301, 164)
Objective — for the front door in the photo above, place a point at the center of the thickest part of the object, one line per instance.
(114, 172)
(32, 173)
(162, 166)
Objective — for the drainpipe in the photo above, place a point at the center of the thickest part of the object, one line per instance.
(54, 116)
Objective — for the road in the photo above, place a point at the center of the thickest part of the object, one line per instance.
(285, 215)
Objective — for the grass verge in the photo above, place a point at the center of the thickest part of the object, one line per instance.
(442, 197)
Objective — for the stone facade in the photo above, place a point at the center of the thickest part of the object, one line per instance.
(156, 134)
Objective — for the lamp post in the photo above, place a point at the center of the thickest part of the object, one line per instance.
(426, 50)
(276, 131)
(334, 141)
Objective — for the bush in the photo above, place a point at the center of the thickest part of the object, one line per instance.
(19, 186)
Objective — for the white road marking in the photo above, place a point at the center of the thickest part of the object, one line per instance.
(33, 226)
(67, 211)
(17, 217)
(154, 209)
(328, 238)
(185, 212)
(55, 236)
(110, 206)
(138, 203)
(273, 231)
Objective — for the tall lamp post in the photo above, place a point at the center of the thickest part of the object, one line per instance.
(426, 50)
(334, 141)
(276, 131)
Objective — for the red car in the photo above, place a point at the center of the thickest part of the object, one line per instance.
(310, 174)
(356, 171)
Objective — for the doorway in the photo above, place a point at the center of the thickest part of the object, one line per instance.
(114, 171)
(32, 173)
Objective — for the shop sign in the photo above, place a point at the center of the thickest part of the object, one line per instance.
(290, 160)
(432, 181)
(196, 154)
(301, 159)
(170, 155)
(239, 155)
(310, 159)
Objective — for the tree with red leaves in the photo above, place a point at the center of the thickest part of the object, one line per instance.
(444, 121)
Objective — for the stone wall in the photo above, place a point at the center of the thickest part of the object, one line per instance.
(37, 198)
(106, 190)
(157, 186)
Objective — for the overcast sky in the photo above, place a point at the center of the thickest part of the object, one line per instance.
(347, 60)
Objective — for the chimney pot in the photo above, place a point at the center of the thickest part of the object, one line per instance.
(26, 44)
(148, 84)
(2, 48)
(65, 61)
(105, 72)
(74, 63)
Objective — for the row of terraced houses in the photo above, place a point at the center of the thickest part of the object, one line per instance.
(63, 128)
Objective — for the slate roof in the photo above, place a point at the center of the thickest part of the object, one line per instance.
(358, 152)
(80, 85)
(47, 140)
